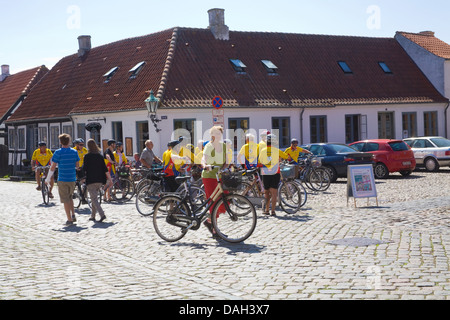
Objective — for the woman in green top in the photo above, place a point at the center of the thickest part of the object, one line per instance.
(214, 154)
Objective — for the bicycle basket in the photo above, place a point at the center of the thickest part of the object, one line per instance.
(316, 162)
(123, 172)
(231, 180)
(288, 171)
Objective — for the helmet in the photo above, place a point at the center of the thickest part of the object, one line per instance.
(271, 138)
(111, 141)
(79, 140)
(118, 144)
(42, 143)
(173, 143)
(294, 140)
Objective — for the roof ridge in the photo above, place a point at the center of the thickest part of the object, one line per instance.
(168, 64)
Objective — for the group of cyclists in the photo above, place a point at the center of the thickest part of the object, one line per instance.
(181, 156)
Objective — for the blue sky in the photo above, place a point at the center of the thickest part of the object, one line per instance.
(37, 32)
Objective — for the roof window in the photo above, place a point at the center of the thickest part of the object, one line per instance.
(136, 69)
(384, 67)
(238, 65)
(344, 66)
(271, 68)
(110, 74)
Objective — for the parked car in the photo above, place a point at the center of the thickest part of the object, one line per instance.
(389, 156)
(430, 152)
(337, 157)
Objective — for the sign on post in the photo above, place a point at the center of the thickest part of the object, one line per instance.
(217, 112)
(361, 182)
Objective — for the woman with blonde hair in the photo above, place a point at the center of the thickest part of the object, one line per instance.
(214, 155)
(97, 175)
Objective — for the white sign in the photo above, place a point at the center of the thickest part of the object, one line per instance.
(218, 117)
(361, 182)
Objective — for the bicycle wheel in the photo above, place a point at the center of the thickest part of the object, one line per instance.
(146, 197)
(238, 222)
(45, 192)
(319, 179)
(122, 190)
(290, 196)
(165, 221)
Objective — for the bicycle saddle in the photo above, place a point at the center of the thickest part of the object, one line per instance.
(180, 180)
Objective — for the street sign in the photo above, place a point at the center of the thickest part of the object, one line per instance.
(217, 102)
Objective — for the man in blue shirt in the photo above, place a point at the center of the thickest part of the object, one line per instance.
(67, 160)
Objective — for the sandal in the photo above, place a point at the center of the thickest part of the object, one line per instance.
(273, 214)
(211, 229)
(266, 213)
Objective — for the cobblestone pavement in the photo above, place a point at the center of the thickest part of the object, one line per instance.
(287, 257)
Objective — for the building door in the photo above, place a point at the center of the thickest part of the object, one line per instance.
(32, 139)
(142, 135)
(386, 125)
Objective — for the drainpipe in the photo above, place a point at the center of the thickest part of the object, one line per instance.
(301, 126)
(446, 121)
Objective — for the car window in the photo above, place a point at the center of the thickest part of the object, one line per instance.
(358, 146)
(339, 148)
(372, 146)
(420, 143)
(410, 142)
(399, 146)
(318, 150)
(440, 142)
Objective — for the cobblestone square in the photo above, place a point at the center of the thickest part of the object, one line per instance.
(289, 257)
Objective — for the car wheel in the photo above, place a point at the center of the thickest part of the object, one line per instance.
(381, 171)
(405, 173)
(333, 174)
(431, 165)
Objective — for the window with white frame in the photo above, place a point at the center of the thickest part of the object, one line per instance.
(43, 134)
(21, 136)
(69, 130)
(54, 140)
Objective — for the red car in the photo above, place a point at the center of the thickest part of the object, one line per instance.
(389, 156)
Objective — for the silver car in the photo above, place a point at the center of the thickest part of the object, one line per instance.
(430, 152)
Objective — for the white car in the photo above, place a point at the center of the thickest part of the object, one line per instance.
(430, 152)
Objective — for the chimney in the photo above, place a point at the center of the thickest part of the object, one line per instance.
(427, 33)
(5, 72)
(84, 43)
(217, 24)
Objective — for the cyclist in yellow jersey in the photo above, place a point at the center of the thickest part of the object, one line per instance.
(42, 157)
(248, 155)
(82, 151)
(269, 157)
(294, 151)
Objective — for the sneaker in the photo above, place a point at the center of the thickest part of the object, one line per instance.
(101, 219)
(38, 188)
(69, 223)
(50, 195)
(74, 219)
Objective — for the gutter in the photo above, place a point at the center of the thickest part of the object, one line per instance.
(301, 126)
(446, 120)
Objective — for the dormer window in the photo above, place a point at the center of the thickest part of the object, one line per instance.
(110, 74)
(136, 69)
(344, 66)
(385, 68)
(271, 68)
(238, 65)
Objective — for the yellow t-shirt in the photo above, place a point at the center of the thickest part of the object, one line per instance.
(269, 158)
(81, 154)
(294, 154)
(43, 159)
(117, 158)
(248, 155)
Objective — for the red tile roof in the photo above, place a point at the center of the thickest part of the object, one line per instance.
(16, 85)
(308, 72)
(428, 41)
(188, 67)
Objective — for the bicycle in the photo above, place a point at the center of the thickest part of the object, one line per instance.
(45, 191)
(122, 188)
(290, 197)
(174, 215)
(312, 174)
(81, 195)
(152, 191)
